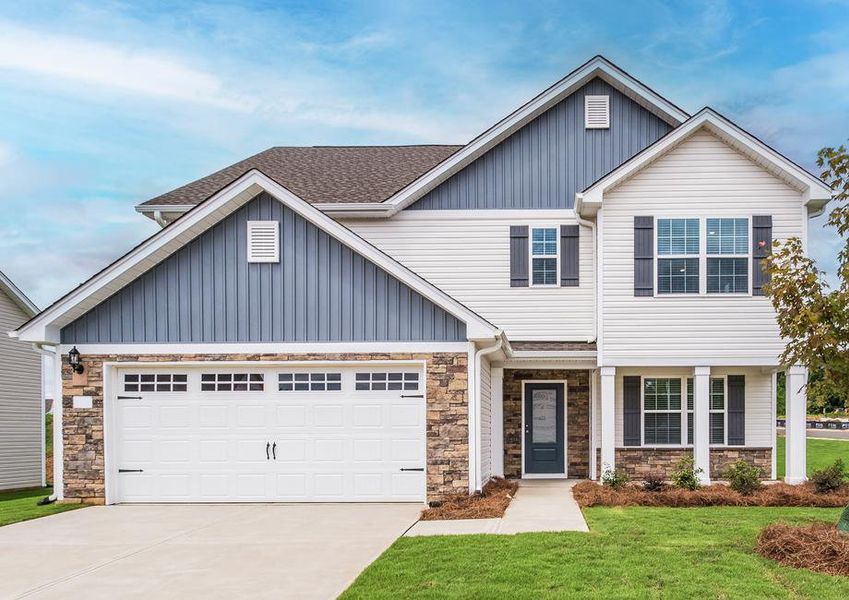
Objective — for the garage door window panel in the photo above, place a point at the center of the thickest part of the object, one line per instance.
(309, 382)
(232, 382)
(382, 381)
(155, 382)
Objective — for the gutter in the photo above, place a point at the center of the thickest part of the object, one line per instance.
(45, 350)
(475, 475)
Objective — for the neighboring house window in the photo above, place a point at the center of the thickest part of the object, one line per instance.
(158, 382)
(309, 382)
(662, 411)
(387, 381)
(728, 256)
(544, 256)
(232, 382)
(678, 256)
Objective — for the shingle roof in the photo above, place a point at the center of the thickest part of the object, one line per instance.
(535, 346)
(323, 173)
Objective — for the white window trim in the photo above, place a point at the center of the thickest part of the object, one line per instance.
(683, 411)
(658, 258)
(747, 256)
(532, 256)
(703, 256)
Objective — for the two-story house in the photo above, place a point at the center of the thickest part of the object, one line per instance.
(577, 289)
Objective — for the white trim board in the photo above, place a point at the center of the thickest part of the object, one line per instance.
(46, 326)
(268, 348)
(17, 296)
(816, 192)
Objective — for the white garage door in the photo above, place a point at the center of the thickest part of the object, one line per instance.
(269, 434)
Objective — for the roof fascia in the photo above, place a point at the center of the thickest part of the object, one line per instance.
(17, 296)
(815, 191)
(45, 326)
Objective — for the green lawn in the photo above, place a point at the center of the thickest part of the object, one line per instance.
(821, 453)
(630, 553)
(22, 506)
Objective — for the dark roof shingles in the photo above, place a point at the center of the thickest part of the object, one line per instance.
(323, 173)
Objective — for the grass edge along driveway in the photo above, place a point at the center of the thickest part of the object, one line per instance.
(629, 553)
(23, 506)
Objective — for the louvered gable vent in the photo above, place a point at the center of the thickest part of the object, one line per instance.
(263, 242)
(597, 112)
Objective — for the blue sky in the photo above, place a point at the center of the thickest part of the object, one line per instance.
(106, 104)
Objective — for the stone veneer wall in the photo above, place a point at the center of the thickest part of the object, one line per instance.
(447, 417)
(577, 418)
(638, 462)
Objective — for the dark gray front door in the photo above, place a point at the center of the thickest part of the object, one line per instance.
(544, 430)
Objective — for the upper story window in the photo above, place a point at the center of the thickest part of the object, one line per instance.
(544, 256)
(678, 256)
(727, 256)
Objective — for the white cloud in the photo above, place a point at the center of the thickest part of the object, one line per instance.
(110, 66)
(7, 153)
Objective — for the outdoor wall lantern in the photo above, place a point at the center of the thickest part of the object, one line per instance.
(74, 360)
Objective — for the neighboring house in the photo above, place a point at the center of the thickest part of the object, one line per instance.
(577, 289)
(21, 405)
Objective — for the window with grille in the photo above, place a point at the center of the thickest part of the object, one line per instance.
(155, 382)
(309, 382)
(232, 382)
(387, 381)
(677, 256)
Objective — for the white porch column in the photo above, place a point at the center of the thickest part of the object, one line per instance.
(701, 422)
(797, 409)
(608, 418)
(496, 375)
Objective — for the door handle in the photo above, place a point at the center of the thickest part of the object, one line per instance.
(412, 469)
(267, 446)
(274, 450)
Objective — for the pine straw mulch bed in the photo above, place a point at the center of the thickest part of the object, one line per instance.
(489, 504)
(589, 493)
(819, 547)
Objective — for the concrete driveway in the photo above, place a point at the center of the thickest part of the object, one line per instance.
(198, 551)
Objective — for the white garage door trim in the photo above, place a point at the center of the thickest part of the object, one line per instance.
(113, 386)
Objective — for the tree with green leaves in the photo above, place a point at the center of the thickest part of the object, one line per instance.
(813, 316)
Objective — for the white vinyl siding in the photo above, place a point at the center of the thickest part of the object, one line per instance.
(759, 418)
(485, 421)
(701, 178)
(467, 255)
(20, 404)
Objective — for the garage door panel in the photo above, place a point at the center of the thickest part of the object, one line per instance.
(342, 445)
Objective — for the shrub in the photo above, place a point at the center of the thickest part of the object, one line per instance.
(685, 475)
(615, 479)
(830, 478)
(744, 478)
(654, 482)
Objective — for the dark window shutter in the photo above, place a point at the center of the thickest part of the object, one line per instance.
(569, 254)
(736, 410)
(761, 248)
(631, 409)
(643, 256)
(518, 256)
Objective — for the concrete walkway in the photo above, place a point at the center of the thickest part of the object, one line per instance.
(539, 505)
(300, 551)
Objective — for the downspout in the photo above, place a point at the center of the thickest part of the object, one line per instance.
(582, 221)
(475, 476)
(44, 350)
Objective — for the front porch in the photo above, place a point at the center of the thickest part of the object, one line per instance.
(561, 417)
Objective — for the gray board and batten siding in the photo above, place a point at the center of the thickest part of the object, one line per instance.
(320, 291)
(543, 164)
